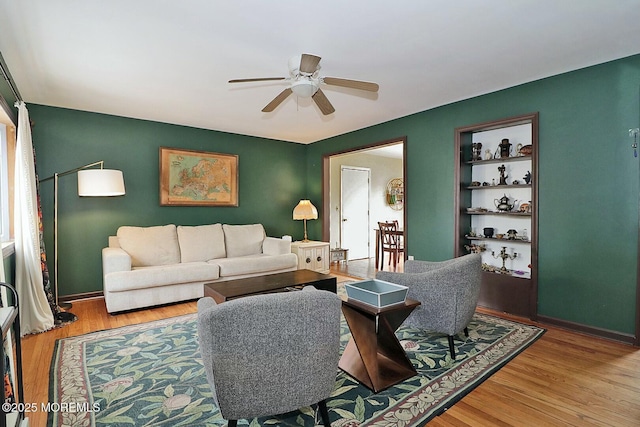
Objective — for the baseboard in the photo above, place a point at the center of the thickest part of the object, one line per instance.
(589, 330)
(85, 295)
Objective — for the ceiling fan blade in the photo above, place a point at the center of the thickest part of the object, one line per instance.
(309, 63)
(277, 100)
(323, 103)
(353, 84)
(261, 79)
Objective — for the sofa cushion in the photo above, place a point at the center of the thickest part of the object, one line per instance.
(201, 242)
(242, 240)
(149, 277)
(252, 264)
(150, 246)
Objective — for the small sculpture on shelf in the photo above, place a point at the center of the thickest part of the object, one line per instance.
(512, 234)
(476, 147)
(503, 177)
(487, 154)
(526, 150)
(475, 248)
(525, 207)
(527, 178)
(488, 267)
(504, 256)
(505, 148)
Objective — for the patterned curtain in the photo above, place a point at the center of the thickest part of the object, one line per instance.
(46, 282)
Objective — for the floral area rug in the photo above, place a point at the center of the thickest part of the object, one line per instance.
(152, 375)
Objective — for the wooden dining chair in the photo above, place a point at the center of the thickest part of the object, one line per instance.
(391, 240)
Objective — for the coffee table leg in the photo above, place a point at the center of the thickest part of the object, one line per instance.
(375, 358)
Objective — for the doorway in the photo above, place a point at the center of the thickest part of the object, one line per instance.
(354, 205)
(387, 162)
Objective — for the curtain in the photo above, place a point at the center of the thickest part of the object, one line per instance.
(35, 312)
(51, 298)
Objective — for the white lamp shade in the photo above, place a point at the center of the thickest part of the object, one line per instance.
(305, 210)
(100, 183)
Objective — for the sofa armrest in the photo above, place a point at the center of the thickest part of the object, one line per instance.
(115, 259)
(276, 246)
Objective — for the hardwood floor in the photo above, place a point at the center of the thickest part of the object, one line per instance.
(363, 268)
(563, 379)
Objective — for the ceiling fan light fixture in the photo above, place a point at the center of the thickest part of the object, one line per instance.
(304, 88)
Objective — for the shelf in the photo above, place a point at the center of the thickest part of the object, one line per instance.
(511, 273)
(499, 213)
(498, 240)
(501, 160)
(496, 187)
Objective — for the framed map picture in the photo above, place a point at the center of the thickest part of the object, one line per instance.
(197, 178)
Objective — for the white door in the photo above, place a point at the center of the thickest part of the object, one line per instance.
(354, 200)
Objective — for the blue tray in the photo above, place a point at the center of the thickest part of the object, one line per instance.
(377, 293)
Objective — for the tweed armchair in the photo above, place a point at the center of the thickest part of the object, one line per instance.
(271, 354)
(448, 292)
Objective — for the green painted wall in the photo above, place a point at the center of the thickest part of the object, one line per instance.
(271, 183)
(588, 185)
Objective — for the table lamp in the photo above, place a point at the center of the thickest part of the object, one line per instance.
(304, 211)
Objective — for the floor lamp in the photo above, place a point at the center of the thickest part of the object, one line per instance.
(91, 183)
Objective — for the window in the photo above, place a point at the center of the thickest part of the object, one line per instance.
(5, 226)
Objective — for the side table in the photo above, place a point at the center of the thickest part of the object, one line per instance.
(312, 255)
(339, 254)
(374, 355)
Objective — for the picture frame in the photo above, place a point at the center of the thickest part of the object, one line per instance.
(198, 178)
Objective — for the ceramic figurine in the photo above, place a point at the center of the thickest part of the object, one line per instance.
(503, 177)
(505, 148)
(476, 147)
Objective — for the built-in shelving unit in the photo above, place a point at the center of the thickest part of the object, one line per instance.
(497, 162)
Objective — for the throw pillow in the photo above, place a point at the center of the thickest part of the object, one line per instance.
(201, 242)
(149, 246)
(242, 240)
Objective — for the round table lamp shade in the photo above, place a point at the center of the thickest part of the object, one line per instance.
(100, 183)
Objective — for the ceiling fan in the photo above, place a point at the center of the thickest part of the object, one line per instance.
(305, 82)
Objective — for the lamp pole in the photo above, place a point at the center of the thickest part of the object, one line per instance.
(117, 190)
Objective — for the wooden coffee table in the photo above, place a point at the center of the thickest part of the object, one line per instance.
(270, 283)
(374, 355)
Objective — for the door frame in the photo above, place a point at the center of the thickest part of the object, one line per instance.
(326, 173)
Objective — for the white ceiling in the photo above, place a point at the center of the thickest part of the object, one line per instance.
(170, 61)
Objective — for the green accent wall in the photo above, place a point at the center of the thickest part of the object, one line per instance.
(588, 185)
(271, 181)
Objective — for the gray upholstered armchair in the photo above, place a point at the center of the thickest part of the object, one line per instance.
(448, 292)
(271, 354)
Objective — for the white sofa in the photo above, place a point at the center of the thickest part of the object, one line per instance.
(147, 266)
